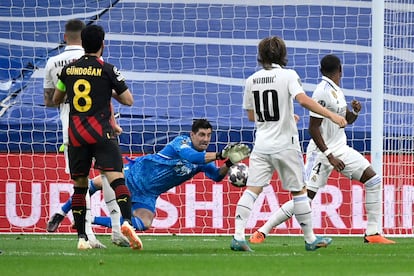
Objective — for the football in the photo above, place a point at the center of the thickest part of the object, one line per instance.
(238, 174)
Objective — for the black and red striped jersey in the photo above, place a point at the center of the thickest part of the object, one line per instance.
(89, 83)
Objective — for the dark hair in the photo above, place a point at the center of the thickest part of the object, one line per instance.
(74, 25)
(200, 123)
(272, 50)
(330, 64)
(92, 38)
(73, 28)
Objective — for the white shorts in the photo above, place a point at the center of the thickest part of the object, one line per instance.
(288, 164)
(318, 168)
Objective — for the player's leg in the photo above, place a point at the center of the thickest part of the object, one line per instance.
(59, 216)
(108, 155)
(358, 167)
(94, 242)
(79, 211)
(260, 173)
(281, 215)
(291, 169)
(143, 210)
(117, 237)
(80, 159)
(315, 170)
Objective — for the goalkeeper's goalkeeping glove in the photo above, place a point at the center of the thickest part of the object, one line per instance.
(235, 152)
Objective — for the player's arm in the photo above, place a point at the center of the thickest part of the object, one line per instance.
(48, 97)
(124, 97)
(60, 92)
(315, 133)
(197, 157)
(214, 173)
(250, 115)
(117, 128)
(223, 170)
(48, 87)
(308, 103)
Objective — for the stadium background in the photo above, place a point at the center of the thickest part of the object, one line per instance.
(185, 60)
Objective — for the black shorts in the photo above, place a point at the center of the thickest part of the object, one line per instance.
(106, 153)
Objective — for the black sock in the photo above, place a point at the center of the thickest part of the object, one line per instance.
(123, 198)
(79, 210)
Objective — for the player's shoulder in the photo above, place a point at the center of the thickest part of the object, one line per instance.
(181, 141)
(181, 138)
(289, 72)
(324, 87)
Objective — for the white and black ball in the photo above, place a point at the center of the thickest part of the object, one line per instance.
(238, 174)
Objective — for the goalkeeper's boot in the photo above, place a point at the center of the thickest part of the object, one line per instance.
(257, 237)
(54, 222)
(318, 243)
(83, 244)
(129, 232)
(377, 238)
(236, 245)
(119, 239)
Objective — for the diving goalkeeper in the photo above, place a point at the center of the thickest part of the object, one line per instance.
(148, 176)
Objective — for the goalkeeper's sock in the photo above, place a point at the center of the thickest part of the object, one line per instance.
(138, 224)
(66, 207)
(281, 215)
(243, 211)
(303, 214)
(79, 209)
(103, 221)
(92, 187)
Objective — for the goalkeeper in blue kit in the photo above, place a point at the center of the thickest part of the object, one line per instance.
(148, 176)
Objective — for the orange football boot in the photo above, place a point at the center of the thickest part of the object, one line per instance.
(377, 238)
(257, 237)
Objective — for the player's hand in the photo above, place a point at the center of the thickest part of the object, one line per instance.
(336, 163)
(297, 118)
(356, 106)
(339, 120)
(236, 152)
(117, 129)
(224, 153)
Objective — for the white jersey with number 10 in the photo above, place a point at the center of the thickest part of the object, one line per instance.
(270, 94)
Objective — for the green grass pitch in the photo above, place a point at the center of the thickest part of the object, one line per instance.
(55, 254)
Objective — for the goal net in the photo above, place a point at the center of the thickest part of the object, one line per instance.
(189, 59)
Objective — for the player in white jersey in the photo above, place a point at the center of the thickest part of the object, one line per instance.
(268, 100)
(54, 65)
(328, 150)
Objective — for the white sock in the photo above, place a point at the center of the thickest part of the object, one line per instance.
(243, 211)
(373, 204)
(112, 205)
(281, 215)
(303, 214)
(88, 219)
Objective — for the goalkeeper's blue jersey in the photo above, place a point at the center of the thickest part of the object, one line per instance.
(176, 163)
